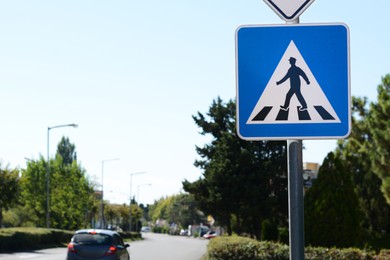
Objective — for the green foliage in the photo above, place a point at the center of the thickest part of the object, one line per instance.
(269, 231)
(378, 122)
(71, 193)
(180, 209)
(71, 196)
(33, 189)
(284, 235)
(160, 230)
(239, 248)
(12, 239)
(338, 254)
(243, 182)
(232, 248)
(332, 213)
(9, 191)
(66, 150)
(20, 216)
(363, 152)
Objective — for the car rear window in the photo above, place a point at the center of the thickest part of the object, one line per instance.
(92, 239)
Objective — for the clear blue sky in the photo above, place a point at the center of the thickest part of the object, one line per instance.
(132, 73)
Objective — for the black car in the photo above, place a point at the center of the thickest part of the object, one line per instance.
(97, 244)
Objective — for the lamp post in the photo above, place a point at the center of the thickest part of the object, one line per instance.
(147, 184)
(131, 183)
(102, 201)
(48, 171)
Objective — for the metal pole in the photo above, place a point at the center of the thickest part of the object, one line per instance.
(48, 172)
(295, 200)
(102, 224)
(102, 200)
(138, 201)
(131, 184)
(48, 183)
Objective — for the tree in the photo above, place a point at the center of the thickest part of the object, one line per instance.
(71, 196)
(33, 189)
(378, 121)
(67, 151)
(243, 182)
(180, 209)
(332, 213)
(9, 192)
(357, 157)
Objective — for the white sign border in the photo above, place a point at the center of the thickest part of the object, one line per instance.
(270, 138)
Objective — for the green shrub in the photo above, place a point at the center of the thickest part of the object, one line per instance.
(335, 253)
(384, 254)
(284, 236)
(235, 248)
(157, 229)
(130, 235)
(32, 238)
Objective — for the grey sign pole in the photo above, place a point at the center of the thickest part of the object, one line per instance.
(295, 199)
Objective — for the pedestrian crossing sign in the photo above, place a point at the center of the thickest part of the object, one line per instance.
(293, 81)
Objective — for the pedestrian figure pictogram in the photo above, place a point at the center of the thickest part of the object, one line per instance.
(294, 73)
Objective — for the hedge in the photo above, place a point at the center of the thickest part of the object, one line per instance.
(24, 238)
(16, 239)
(241, 248)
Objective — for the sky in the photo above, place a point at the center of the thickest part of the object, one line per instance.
(131, 74)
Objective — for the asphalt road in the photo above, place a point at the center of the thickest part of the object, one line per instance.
(154, 246)
(160, 246)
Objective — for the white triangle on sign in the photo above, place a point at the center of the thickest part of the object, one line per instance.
(274, 95)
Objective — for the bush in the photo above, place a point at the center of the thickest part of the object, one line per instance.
(12, 239)
(162, 229)
(284, 236)
(232, 248)
(384, 254)
(130, 235)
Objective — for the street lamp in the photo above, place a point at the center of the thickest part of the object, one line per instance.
(102, 205)
(48, 172)
(131, 184)
(147, 184)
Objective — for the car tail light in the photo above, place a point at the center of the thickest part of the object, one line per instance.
(111, 250)
(71, 248)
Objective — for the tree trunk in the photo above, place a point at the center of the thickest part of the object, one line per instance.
(229, 226)
(1, 216)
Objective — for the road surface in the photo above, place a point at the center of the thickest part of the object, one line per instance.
(154, 246)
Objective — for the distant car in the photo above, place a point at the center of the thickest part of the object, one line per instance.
(210, 234)
(97, 244)
(145, 229)
(184, 232)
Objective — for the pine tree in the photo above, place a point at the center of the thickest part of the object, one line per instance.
(243, 182)
(332, 213)
(379, 127)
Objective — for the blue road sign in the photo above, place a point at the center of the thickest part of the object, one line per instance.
(293, 81)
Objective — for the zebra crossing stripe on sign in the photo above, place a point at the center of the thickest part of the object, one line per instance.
(295, 98)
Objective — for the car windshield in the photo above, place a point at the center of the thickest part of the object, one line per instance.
(92, 239)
